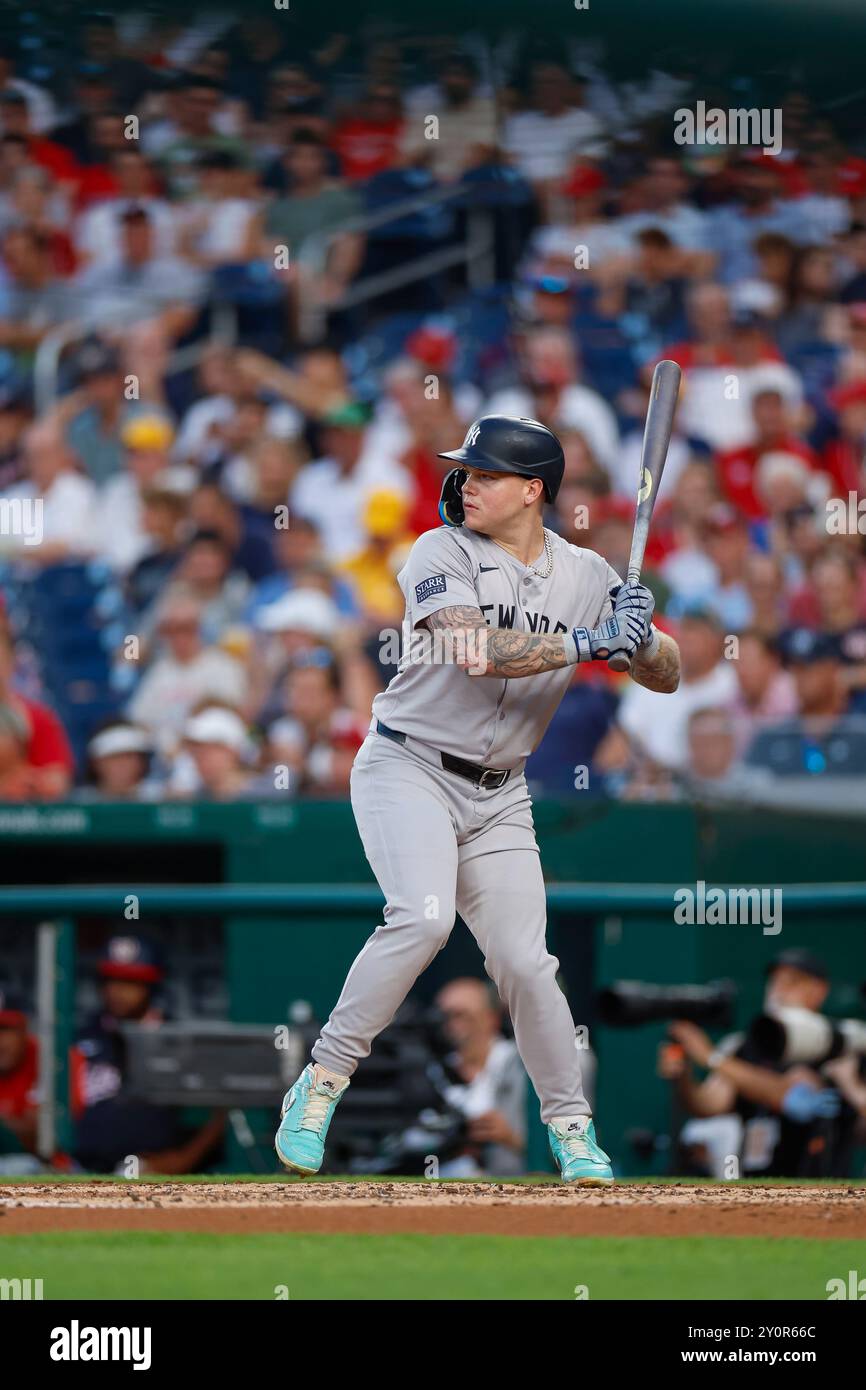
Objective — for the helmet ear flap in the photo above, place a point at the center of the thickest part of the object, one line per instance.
(451, 501)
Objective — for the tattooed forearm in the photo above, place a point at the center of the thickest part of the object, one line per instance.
(497, 651)
(511, 654)
(455, 618)
(660, 672)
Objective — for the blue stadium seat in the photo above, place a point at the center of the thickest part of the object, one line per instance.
(428, 225)
(71, 614)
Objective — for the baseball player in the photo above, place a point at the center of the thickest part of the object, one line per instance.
(498, 610)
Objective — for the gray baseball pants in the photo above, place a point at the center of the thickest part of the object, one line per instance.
(439, 845)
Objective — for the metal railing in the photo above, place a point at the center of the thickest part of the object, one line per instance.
(46, 363)
(258, 900)
(476, 253)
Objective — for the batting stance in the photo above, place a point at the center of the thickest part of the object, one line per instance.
(502, 609)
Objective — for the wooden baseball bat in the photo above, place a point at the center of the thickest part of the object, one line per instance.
(656, 439)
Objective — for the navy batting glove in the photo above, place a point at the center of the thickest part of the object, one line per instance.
(618, 636)
(632, 600)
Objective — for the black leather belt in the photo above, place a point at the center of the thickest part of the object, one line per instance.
(484, 777)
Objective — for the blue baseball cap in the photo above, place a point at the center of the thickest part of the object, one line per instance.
(804, 646)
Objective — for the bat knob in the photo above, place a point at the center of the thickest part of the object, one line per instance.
(618, 663)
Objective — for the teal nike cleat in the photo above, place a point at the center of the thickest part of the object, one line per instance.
(578, 1156)
(305, 1117)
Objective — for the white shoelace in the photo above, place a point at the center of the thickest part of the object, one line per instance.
(577, 1146)
(316, 1110)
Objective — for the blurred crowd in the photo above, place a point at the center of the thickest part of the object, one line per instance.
(234, 448)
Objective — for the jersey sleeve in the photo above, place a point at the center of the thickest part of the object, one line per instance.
(438, 574)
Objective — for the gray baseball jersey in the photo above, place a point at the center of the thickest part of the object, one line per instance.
(497, 723)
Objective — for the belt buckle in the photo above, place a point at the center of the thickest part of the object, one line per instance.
(493, 773)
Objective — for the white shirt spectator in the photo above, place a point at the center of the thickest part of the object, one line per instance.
(118, 531)
(710, 412)
(603, 241)
(334, 500)
(691, 576)
(659, 723)
(111, 294)
(69, 516)
(686, 226)
(221, 226)
(625, 107)
(580, 408)
(193, 442)
(170, 689)
(545, 147)
(98, 230)
(461, 128)
(824, 216)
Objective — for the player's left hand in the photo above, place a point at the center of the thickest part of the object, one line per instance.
(634, 601)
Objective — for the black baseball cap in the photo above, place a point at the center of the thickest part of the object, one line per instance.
(96, 358)
(799, 958)
(803, 646)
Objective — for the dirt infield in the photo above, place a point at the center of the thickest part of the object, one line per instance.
(430, 1208)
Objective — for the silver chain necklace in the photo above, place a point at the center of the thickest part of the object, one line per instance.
(548, 560)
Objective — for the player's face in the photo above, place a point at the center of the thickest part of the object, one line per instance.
(493, 501)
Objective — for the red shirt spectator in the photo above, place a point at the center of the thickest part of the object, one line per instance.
(47, 749)
(736, 470)
(366, 140)
(18, 1084)
(48, 746)
(59, 163)
(843, 456)
(95, 182)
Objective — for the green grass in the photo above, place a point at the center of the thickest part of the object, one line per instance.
(139, 1265)
(533, 1178)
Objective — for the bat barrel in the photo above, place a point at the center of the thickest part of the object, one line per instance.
(656, 441)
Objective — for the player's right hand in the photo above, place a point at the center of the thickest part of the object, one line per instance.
(620, 635)
(634, 598)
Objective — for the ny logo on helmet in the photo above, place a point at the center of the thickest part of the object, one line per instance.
(472, 436)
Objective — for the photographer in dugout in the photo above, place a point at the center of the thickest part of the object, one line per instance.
(781, 1119)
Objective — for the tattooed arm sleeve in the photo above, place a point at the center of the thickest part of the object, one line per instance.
(659, 672)
(497, 651)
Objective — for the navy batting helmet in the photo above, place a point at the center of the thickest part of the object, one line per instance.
(500, 444)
